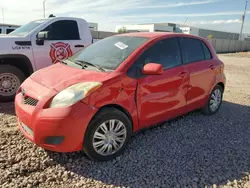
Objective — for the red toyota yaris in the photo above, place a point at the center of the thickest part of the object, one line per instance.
(97, 98)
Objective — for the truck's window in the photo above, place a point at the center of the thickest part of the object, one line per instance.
(27, 28)
(63, 30)
(0, 30)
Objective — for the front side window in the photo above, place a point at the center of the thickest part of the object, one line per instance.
(165, 52)
(192, 50)
(109, 52)
(63, 30)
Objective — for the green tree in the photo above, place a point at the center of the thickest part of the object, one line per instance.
(122, 30)
(209, 36)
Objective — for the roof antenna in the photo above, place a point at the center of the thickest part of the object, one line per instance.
(51, 15)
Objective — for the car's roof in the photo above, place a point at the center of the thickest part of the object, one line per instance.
(158, 34)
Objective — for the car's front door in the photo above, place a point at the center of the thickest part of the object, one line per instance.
(160, 97)
(64, 40)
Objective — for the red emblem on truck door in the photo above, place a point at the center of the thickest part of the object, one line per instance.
(59, 51)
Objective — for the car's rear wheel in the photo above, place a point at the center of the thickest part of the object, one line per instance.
(107, 135)
(10, 80)
(214, 102)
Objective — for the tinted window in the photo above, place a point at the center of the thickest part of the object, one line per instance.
(206, 51)
(9, 30)
(109, 52)
(165, 52)
(192, 50)
(63, 30)
(0, 30)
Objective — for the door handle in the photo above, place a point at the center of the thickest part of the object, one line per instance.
(79, 46)
(212, 67)
(182, 74)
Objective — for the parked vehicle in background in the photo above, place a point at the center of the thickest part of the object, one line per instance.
(97, 98)
(7, 28)
(36, 45)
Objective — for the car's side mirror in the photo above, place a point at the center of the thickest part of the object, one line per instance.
(41, 37)
(152, 69)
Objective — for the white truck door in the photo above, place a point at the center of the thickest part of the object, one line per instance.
(63, 41)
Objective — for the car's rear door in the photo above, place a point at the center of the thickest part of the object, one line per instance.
(200, 64)
(160, 97)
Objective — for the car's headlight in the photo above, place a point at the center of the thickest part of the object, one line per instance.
(73, 94)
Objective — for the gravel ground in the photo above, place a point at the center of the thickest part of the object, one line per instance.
(191, 151)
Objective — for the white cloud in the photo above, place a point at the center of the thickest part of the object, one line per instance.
(105, 12)
(216, 22)
(108, 13)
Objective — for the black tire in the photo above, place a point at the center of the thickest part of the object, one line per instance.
(207, 108)
(102, 116)
(17, 74)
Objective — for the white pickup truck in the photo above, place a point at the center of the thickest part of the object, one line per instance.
(36, 45)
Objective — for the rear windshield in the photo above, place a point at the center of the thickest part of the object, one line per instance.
(110, 52)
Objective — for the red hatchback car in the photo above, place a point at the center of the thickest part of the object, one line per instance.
(97, 98)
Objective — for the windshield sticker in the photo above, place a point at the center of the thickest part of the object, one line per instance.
(121, 45)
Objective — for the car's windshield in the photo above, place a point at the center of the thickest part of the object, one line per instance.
(109, 52)
(27, 28)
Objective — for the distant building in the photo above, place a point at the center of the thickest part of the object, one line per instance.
(145, 28)
(93, 26)
(172, 27)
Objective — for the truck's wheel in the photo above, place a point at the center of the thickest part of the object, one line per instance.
(10, 80)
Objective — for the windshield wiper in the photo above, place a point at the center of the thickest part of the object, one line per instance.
(82, 63)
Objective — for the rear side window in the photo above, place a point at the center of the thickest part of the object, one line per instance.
(206, 51)
(192, 50)
(63, 30)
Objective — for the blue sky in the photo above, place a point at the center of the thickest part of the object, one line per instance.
(212, 14)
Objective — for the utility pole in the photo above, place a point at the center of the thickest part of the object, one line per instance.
(3, 14)
(44, 8)
(185, 22)
(243, 20)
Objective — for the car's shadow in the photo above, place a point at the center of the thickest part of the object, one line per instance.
(7, 108)
(192, 150)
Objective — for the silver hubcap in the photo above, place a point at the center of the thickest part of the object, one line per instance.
(215, 100)
(9, 84)
(109, 137)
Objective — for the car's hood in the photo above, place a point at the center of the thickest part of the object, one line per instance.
(60, 76)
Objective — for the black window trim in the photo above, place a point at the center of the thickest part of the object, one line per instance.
(211, 57)
(79, 37)
(164, 69)
(202, 50)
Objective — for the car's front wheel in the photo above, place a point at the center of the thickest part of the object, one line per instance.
(107, 135)
(214, 102)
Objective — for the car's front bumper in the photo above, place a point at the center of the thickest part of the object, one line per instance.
(56, 129)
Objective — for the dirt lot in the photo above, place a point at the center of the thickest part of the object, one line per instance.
(191, 151)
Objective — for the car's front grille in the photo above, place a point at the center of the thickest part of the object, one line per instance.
(30, 101)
